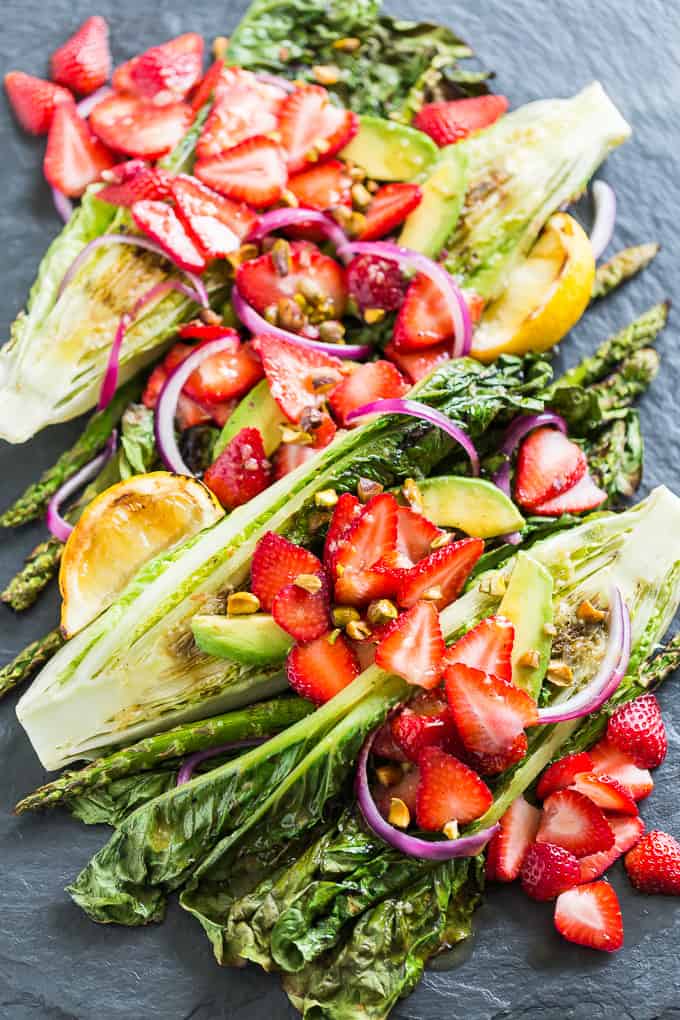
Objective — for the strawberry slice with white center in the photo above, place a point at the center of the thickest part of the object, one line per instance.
(347, 510)
(413, 647)
(562, 773)
(312, 128)
(276, 563)
(252, 171)
(606, 792)
(323, 186)
(573, 821)
(417, 364)
(548, 465)
(217, 224)
(168, 72)
(508, 848)
(425, 722)
(609, 760)
(34, 100)
(585, 495)
(440, 577)
(241, 471)
(627, 831)
(160, 222)
(375, 380)
(288, 457)
(415, 535)
(322, 668)
(301, 611)
(389, 208)
(452, 120)
(263, 281)
(134, 181)
(449, 791)
(424, 321)
(244, 107)
(359, 567)
(488, 647)
(590, 915)
(138, 128)
(74, 158)
(298, 379)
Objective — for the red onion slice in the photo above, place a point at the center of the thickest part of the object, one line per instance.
(514, 434)
(415, 409)
(63, 204)
(415, 262)
(189, 764)
(57, 525)
(253, 321)
(279, 218)
(87, 105)
(412, 846)
(604, 200)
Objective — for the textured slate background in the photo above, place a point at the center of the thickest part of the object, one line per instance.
(53, 962)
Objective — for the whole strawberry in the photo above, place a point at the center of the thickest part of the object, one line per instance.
(548, 870)
(653, 865)
(638, 729)
(83, 62)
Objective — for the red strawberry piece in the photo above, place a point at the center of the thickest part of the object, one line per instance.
(138, 128)
(230, 373)
(134, 181)
(562, 773)
(121, 79)
(297, 378)
(289, 456)
(424, 722)
(416, 365)
(219, 412)
(74, 158)
(415, 535)
(208, 85)
(198, 330)
(446, 569)
(262, 284)
(389, 207)
(548, 870)
(448, 791)
(347, 510)
(323, 186)
(653, 865)
(590, 915)
(160, 222)
(168, 72)
(34, 100)
(384, 744)
(359, 587)
(423, 321)
(405, 789)
(375, 380)
(606, 792)
(324, 432)
(547, 465)
(573, 821)
(312, 128)
(358, 564)
(217, 224)
(627, 831)
(322, 668)
(83, 62)
(154, 385)
(488, 647)
(490, 714)
(190, 413)
(276, 563)
(637, 728)
(241, 471)
(450, 121)
(585, 495)
(508, 848)
(244, 107)
(609, 760)
(302, 614)
(413, 647)
(375, 282)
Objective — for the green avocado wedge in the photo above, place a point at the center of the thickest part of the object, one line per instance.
(528, 605)
(255, 640)
(388, 151)
(433, 221)
(258, 410)
(473, 505)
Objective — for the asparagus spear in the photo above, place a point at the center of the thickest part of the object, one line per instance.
(30, 661)
(40, 567)
(622, 267)
(633, 377)
(655, 670)
(615, 457)
(261, 720)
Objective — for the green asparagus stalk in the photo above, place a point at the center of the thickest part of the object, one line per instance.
(30, 661)
(655, 670)
(40, 567)
(615, 457)
(622, 267)
(261, 720)
(633, 377)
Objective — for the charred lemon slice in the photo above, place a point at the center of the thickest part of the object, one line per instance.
(122, 529)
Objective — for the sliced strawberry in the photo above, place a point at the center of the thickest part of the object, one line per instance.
(196, 329)
(627, 831)
(405, 789)
(416, 365)
(490, 715)
(305, 615)
(375, 282)
(653, 865)
(208, 85)
(424, 722)
(415, 535)
(244, 107)
(413, 646)
(74, 158)
(323, 186)
(508, 848)
(121, 79)
(217, 224)
(276, 563)
(322, 432)
(262, 284)
(562, 773)
(154, 385)
(241, 471)
(450, 121)
(289, 456)
(251, 172)
(424, 323)
(230, 373)
(359, 587)
(590, 915)
(608, 760)
(219, 412)
(637, 728)
(83, 62)
(321, 669)
(374, 380)
(446, 569)
(347, 510)
(297, 378)
(358, 568)
(488, 647)
(448, 791)
(585, 495)
(131, 125)
(390, 206)
(312, 128)
(606, 792)
(168, 72)
(573, 821)
(160, 222)
(548, 465)
(34, 100)
(548, 870)
(134, 181)
(190, 413)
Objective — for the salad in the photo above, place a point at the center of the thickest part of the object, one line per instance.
(357, 613)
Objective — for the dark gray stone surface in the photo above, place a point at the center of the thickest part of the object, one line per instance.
(53, 962)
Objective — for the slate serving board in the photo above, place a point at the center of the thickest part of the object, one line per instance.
(56, 964)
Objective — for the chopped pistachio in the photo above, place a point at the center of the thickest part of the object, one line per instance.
(220, 46)
(333, 636)
(559, 673)
(326, 498)
(242, 603)
(289, 198)
(439, 541)
(450, 830)
(342, 615)
(289, 315)
(433, 594)
(356, 224)
(292, 433)
(367, 489)
(331, 331)
(323, 382)
(316, 521)
(358, 630)
(550, 629)
(372, 186)
(590, 613)
(312, 418)
(357, 173)
(495, 585)
(311, 290)
(348, 44)
(412, 494)
(326, 74)
(388, 775)
(531, 659)
(209, 317)
(280, 254)
(399, 814)
(381, 611)
(373, 315)
(311, 583)
(339, 570)
(361, 196)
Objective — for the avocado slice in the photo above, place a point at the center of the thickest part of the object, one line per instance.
(527, 603)
(255, 640)
(257, 410)
(432, 222)
(474, 505)
(388, 151)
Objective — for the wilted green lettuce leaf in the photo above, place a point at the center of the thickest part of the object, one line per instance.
(109, 805)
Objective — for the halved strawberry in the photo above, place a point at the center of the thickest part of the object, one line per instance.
(585, 495)
(445, 570)
(488, 647)
(562, 773)
(217, 224)
(323, 186)
(230, 373)
(448, 791)
(548, 465)
(450, 121)
(34, 100)
(637, 728)
(168, 72)
(262, 284)
(424, 722)
(131, 125)
(606, 792)
(573, 821)
(322, 668)
(653, 865)
(244, 107)
(416, 365)
(490, 715)
(508, 848)
(312, 128)
(289, 456)
(241, 471)
(74, 158)
(207, 86)
(374, 380)
(390, 206)
(627, 831)
(376, 282)
(358, 567)
(415, 535)
(83, 62)
(298, 378)
(347, 510)
(160, 222)
(303, 614)
(590, 915)
(251, 172)
(413, 646)
(276, 563)
(134, 181)
(608, 760)
(548, 870)
(405, 789)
